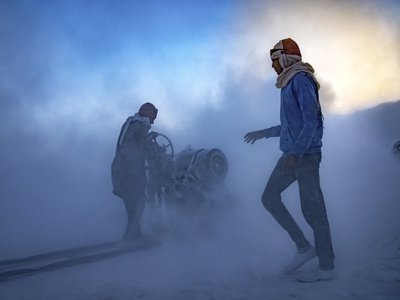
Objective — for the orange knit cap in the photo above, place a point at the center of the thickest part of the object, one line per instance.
(286, 46)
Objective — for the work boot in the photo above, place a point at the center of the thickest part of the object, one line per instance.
(299, 259)
(316, 274)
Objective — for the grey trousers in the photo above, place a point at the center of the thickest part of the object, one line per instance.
(312, 205)
(134, 210)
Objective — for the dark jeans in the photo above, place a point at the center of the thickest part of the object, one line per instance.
(312, 204)
(134, 205)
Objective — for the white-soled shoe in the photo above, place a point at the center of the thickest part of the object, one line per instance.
(316, 274)
(299, 259)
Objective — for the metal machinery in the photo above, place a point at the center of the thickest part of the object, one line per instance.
(187, 180)
(191, 177)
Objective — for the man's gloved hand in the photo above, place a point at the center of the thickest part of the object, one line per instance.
(291, 161)
(253, 136)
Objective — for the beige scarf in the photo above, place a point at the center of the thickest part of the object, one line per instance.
(128, 122)
(292, 66)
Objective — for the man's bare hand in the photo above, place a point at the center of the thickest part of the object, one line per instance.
(253, 136)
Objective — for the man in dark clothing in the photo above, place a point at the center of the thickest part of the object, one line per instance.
(128, 170)
(300, 133)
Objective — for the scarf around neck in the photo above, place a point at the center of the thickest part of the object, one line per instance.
(131, 119)
(289, 72)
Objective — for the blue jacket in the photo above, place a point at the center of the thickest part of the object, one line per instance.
(301, 126)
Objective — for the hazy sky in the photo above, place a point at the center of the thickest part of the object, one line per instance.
(86, 62)
(72, 71)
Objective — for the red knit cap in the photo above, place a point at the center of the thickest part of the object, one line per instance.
(288, 46)
(148, 110)
(291, 47)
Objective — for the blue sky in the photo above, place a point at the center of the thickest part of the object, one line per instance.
(84, 61)
(79, 68)
(79, 59)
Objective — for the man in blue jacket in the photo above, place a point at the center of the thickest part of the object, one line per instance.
(300, 133)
